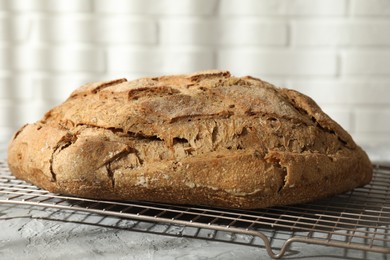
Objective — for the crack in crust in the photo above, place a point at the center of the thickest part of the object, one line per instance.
(310, 109)
(117, 157)
(107, 84)
(62, 144)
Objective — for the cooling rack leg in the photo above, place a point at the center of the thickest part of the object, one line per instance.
(266, 241)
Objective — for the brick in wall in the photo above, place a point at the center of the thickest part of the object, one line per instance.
(69, 58)
(341, 32)
(283, 7)
(141, 60)
(365, 62)
(16, 88)
(371, 120)
(84, 28)
(47, 5)
(188, 31)
(370, 8)
(279, 62)
(155, 7)
(14, 28)
(253, 32)
(231, 32)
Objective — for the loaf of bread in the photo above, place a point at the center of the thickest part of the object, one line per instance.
(206, 138)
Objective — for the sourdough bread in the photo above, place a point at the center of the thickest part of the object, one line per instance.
(207, 138)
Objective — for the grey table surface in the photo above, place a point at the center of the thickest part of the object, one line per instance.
(25, 233)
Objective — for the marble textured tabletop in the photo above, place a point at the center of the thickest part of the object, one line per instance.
(28, 232)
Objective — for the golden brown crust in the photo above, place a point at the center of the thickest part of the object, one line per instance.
(205, 138)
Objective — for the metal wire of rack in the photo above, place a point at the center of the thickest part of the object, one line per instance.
(359, 219)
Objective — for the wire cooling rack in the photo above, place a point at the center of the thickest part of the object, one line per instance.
(359, 219)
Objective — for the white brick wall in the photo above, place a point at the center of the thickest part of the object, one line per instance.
(336, 51)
